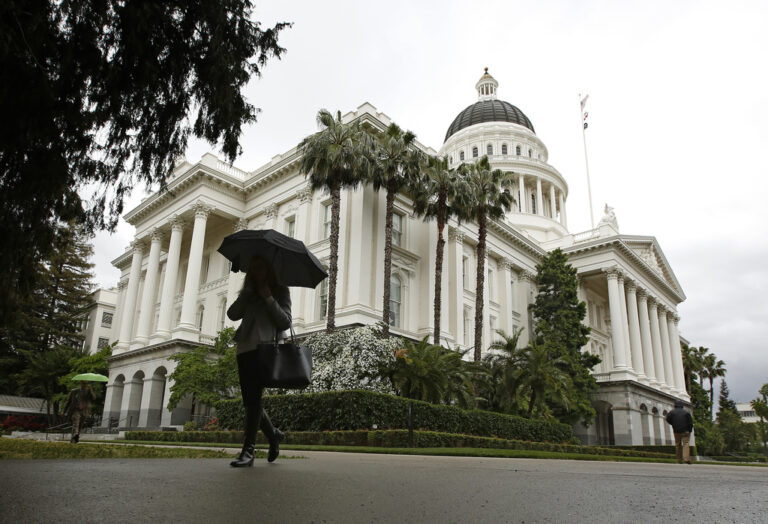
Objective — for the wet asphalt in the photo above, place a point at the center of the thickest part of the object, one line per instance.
(358, 488)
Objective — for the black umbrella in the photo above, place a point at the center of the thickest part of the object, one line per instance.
(293, 263)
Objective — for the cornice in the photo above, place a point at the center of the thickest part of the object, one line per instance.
(154, 347)
(508, 233)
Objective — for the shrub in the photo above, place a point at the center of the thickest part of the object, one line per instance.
(190, 425)
(21, 423)
(351, 410)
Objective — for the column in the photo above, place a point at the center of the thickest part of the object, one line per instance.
(131, 404)
(635, 342)
(617, 337)
(658, 359)
(552, 205)
(508, 304)
(539, 198)
(235, 280)
(458, 298)
(129, 309)
(677, 353)
(645, 335)
(167, 297)
(488, 337)
(563, 218)
(665, 350)
(152, 393)
(114, 333)
(527, 279)
(624, 321)
(148, 296)
(187, 329)
(522, 199)
(270, 211)
(112, 402)
(301, 315)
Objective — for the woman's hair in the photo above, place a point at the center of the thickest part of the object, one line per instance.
(250, 278)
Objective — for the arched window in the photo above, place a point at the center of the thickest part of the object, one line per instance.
(503, 149)
(530, 153)
(517, 150)
(474, 152)
(490, 149)
(323, 298)
(450, 160)
(533, 204)
(461, 155)
(222, 313)
(395, 296)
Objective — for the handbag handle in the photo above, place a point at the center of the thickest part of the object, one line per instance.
(293, 337)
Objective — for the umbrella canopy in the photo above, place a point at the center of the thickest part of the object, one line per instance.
(90, 377)
(293, 263)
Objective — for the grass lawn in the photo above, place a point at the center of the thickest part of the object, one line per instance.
(33, 449)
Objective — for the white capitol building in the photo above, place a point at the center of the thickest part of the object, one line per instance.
(175, 288)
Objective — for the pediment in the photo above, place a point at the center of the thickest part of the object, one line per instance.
(648, 250)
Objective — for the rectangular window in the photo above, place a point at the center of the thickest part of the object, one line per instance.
(327, 222)
(204, 268)
(492, 325)
(290, 227)
(324, 298)
(467, 327)
(490, 286)
(397, 229)
(102, 342)
(395, 294)
(106, 319)
(465, 271)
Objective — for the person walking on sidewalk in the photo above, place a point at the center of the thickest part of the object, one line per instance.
(265, 309)
(78, 408)
(682, 426)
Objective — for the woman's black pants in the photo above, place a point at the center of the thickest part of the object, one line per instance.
(252, 390)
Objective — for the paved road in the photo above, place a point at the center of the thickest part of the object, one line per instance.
(339, 487)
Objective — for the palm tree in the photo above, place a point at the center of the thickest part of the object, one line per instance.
(542, 376)
(712, 369)
(433, 196)
(692, 363)
(486, 197)
(699, 354)
(503, 365)
(424, 371)
(395, 165)
(334, 158)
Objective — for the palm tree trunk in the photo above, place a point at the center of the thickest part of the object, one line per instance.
(531, 402)
(481, 223)
(387, 258)
(439, 265)
(711, 397)
(334, 262)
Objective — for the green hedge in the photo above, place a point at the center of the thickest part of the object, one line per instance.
(669, 450)
(351, 410)
(398, 438)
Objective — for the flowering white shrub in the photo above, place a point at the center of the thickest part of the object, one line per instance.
(350, 359)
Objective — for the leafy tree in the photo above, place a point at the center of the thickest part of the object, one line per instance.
(702, 409)
(100, 99)
(486, 197)
(47, 335)
(334, 158)
(735, 434)
(760, 405)
(499, 385)
(558, 316)
(724, 400)
(395, 166)
(434, 194)
(711, 369)
(207, 374)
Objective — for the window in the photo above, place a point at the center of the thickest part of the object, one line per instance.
(204, 269)
(491, 288)
(489, 149)
(106, 319)
(450, 160)
(465, 271)
(290, 226)
(394, 300)
(467, 327)
(222, 313)
(85, 322)
(474, 152)
(533, 203)
(492, 326)
(397, 229)
(200, 315)
(461, 155)
(102, 342)
(517, 150)
(530, 153)
(323, 298)
(327, 221)
(503, 149)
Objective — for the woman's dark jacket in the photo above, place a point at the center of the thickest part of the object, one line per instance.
(262, 319)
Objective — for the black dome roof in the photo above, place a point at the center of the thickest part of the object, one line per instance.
(488, 111)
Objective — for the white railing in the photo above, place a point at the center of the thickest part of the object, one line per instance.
(231, 170)
(586, 235)
(206, 339)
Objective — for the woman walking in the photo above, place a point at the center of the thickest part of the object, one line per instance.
(264, 306)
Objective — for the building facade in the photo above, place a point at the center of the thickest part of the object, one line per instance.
(98, 323)
(174, 287)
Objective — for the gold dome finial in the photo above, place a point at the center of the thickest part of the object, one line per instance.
(486, 70)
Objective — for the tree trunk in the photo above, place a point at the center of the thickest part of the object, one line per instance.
(712, 397)
(333, 265)
(387, 258)
(439, 265)
(481, 224)
(531, 402)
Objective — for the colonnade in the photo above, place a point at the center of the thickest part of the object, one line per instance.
(555, 196)
(644, 335)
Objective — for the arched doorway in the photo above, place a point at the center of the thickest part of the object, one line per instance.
(113, 402)
(657, 429)
(604, 423)
(645, 424)
(154, 390)
(132, 401)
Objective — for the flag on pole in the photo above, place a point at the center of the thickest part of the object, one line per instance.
(584, 102)
(584, 114)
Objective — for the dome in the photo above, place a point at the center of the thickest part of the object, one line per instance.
(488, 109)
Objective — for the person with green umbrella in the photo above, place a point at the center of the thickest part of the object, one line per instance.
(78, 405)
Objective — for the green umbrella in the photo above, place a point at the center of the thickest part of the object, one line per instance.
(90, 377)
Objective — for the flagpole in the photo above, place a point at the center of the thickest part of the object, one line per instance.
(586, 160)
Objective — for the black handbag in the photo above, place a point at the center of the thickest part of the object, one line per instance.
(287, 365)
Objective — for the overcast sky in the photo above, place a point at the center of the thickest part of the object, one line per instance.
(678, 108)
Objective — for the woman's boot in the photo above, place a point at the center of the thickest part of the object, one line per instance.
(252, 421)
(245, 459)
